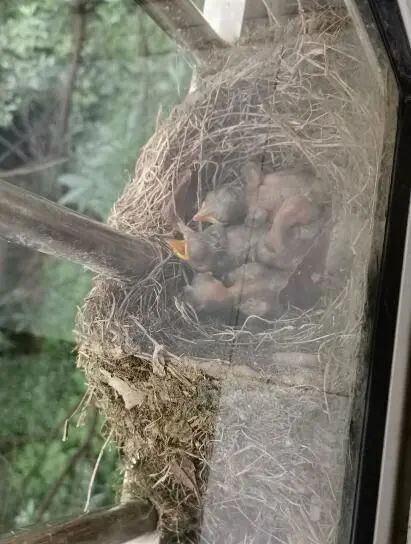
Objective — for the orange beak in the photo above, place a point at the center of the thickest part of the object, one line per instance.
(179, 247)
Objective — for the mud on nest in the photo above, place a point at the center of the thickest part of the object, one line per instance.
(296, 97)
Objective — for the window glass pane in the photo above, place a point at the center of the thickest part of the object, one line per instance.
(226, 368)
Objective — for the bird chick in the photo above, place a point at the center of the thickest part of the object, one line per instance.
(241, 240)
(208, 294)
(277, 187)
(295, 211)
(204, 251)
(226, 205)
(217, 249)
(255, 289)
(257, 217)
(293, 230)
(230, 203)
(182, 202)
(256, 197)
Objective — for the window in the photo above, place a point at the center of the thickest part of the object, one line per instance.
(226, 335)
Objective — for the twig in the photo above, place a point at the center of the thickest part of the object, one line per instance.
(85, 400)
(95, 469)
(68, 467)
(24, 170)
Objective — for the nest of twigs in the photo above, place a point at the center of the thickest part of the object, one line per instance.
(302, 95)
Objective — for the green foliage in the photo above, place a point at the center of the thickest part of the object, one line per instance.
(128, 72)
(5, 343)
(33, 44)
(64, 287)
(42, 390)
(129, 76)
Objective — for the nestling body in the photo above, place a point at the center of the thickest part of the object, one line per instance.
(256, 198)
(204, 251)
(217, 249)
(226, 205)
(252, 289)
(292, 232)
(255, 289)
(207, 294)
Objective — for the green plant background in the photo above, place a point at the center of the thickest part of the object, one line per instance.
(130, 75)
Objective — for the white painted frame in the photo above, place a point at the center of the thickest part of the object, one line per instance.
(225, 17)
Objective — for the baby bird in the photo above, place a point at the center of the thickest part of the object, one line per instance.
(255, 289)
(251, 289)
(208, 294)
(204, 251)
(183, 199)
(226, 205)
(258, 196)
(293, 230)
(230, 203)
(267, 191)
(296, 211)
(217, 249)
(241, 241)
(257, 217)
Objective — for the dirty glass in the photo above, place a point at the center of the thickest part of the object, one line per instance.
(222, 336)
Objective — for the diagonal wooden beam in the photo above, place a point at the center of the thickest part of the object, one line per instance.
(185, 24)
(119, 525)
(29, 220)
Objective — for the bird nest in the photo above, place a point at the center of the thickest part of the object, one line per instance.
(298, 102)
(304, 95)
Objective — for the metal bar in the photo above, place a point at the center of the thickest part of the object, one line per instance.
(396, 414)
(120, 525)
(185, 24)
(30, 220)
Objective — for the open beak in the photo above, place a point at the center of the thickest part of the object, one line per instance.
(204, 215)
(179, 247)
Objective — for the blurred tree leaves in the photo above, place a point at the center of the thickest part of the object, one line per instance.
(130, 73)
(42, 390)
(33, 41)
(64, 287)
